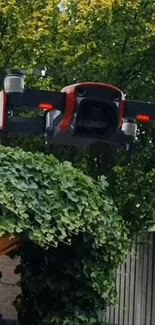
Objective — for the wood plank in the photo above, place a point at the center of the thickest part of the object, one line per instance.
(112, 320)
(127, 290)
(138, 281)
(108, 315)
(152, 322)
(122, 293)
(132, 283)
(117, 306)
(149, 279)
(112, 309)
(144, 283)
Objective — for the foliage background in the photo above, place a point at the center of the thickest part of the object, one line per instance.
(105, 41)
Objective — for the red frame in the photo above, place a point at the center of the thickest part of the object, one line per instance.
(71, 101)
(4, 116)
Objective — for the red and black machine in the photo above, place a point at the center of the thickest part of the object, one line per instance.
(78, 115)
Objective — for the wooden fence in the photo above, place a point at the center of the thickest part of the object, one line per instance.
(136, 287)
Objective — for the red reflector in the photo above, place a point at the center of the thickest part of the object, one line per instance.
(2, 110)
(143, 118)
(46, 106)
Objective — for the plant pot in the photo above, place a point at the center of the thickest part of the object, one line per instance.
(7, 244)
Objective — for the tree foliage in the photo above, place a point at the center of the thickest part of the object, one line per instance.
(59, 207)
(23, 26)
(67, 285)
(105, 41)
(52, 200)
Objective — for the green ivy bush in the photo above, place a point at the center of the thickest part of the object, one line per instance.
(52, 200)
(67, 285)
(69, 214)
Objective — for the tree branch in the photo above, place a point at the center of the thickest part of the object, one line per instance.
(9, 57)
(4, 28)
(143, 5)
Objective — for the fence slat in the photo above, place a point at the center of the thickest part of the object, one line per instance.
(127, 291)
(149, 280)
(144, 283)
(121, 314)
(117, 306)
(153, 285)
(132, 283)
(138, 281)
(112, 310)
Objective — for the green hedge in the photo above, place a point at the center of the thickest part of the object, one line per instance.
(53, 200)
(58, 206)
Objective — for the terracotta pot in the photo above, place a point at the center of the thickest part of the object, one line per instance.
(8, 244)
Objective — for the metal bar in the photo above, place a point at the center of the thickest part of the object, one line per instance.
(34, 97)
(26, 125)
(133, 108)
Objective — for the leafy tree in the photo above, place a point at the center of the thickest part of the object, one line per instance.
(106, 41)
(101, 47)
